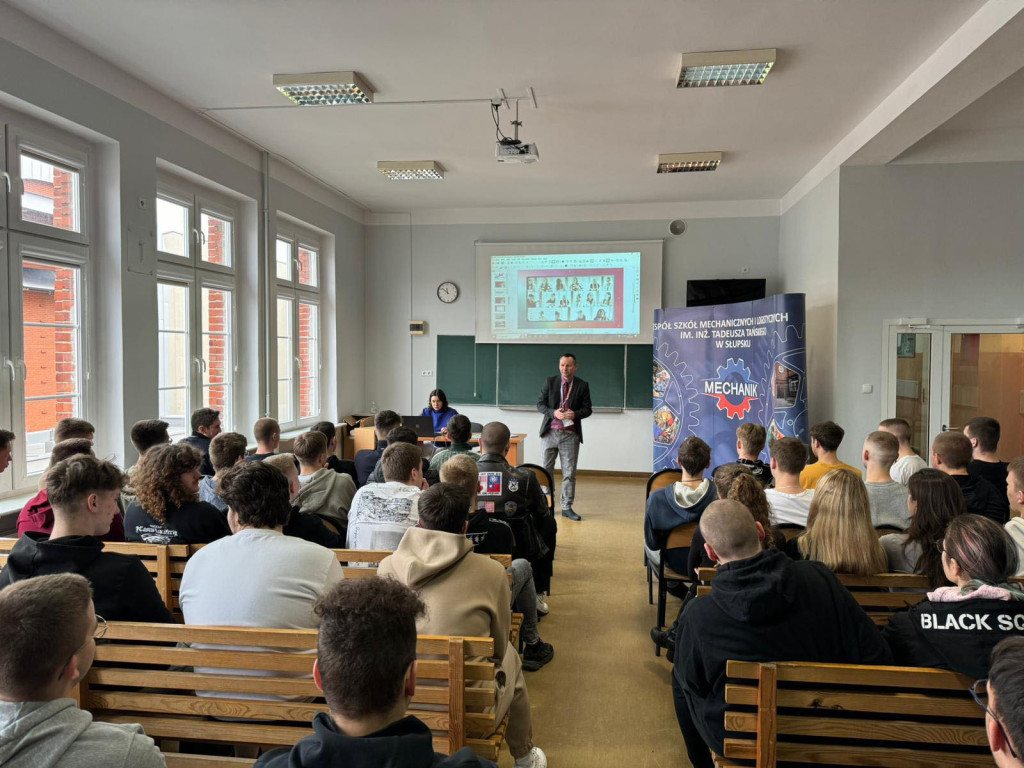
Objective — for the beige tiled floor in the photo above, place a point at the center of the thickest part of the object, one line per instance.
(605, 700)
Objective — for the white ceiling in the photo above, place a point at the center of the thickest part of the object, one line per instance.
(603, 72)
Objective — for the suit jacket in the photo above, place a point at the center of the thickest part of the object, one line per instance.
(551, 397)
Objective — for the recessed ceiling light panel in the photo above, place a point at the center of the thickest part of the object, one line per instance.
(687, 162)
(324, 89)
(720, 68)
(420, 170)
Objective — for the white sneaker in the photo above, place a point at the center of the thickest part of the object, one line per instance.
(542, 607)
(535, 758)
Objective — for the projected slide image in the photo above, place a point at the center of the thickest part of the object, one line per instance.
(565, 294)
(586, 300)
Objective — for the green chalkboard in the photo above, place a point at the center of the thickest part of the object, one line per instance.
(522, 369)
(466, 371)
(639, 375)
(514, 374)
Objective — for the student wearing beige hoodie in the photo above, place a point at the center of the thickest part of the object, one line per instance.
(466, 594)
(324, 493)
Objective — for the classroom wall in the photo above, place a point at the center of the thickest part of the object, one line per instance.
(933, 241)
(405, 264)
(809, 264)
(129, 142)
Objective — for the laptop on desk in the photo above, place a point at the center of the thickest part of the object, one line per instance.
(423, 426)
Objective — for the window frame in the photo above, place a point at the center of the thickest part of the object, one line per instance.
(299, 293)
(73, 156)
(199, 274)
(22, 247)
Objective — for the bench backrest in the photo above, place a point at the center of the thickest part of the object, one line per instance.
(872, 593)
(796, 713)
(138, 678)
(166, 562)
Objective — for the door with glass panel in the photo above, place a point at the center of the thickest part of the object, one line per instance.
(913, 365)
(983, 370)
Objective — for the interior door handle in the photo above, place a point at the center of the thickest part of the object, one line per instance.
(14, 371)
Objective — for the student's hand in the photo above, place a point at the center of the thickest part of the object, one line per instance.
(559, 414)
(571, 415)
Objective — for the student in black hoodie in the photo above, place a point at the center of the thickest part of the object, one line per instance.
(951, 453)
(366, 667)
(957, 627)
(762, 607)
(167, 509)
(84, 492)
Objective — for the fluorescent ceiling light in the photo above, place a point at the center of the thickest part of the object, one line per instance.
(687, 162)
(318, 89)
(703, 70)
(419, 170)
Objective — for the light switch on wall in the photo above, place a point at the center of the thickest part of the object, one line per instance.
(867, 389)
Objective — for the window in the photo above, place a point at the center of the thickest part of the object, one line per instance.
(44, 266)
(297, 266)
(197, 251)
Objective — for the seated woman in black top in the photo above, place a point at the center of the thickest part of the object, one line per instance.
(167, 509)
(957, 627)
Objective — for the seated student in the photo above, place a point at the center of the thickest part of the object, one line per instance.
(70, 428)
(342, 466)
(366, 460)
(826, 438)
(84, 493)
(205, 424)
(300, 524)
(460, 431)
(381, 512)
(681, 502)
(933, 501)
(1002, 696)
(839, 530)
(226, 450)
(514, 495)
(762, 606)
(908, 462)
(402, 434)
(983, 432)
(789, 500)
(750, 440)
(324, 492)
(144, 435)
(494, 536)
(268, 437)
(48, 627)
(366, 667)
(1015, 495)
(736, 482)
(951, 453)
(957, 627)
(466, 595)
(6, 442)
(167, 509)
(258, 576)
(37, 514)
(888, 498)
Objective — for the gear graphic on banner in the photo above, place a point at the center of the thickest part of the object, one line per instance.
(734, 389)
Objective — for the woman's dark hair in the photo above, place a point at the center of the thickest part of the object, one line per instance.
(982, 549)
(440, 395)
(939, 499)
(257, 492)
(157, 478)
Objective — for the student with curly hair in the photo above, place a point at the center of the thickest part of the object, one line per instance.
(167, 509)
(839, 531)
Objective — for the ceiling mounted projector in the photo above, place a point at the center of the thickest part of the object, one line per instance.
(512, 151)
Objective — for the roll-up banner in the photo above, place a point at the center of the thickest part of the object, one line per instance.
(718, 367)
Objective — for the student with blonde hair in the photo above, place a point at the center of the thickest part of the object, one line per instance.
(839, 531)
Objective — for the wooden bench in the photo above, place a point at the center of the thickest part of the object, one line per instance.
(796, 713)
(872, 593)
(135, 681)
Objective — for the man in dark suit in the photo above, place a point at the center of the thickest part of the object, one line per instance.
(565, 402)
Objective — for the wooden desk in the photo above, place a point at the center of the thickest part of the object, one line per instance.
(365, 440)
